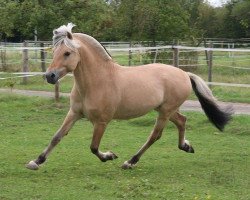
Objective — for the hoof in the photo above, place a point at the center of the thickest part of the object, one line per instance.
(191, 149)
(32, 165)
(186, 147)
(127, 165)
(111, 156)
(108, 156)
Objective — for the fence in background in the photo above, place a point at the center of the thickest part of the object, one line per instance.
(27, 59)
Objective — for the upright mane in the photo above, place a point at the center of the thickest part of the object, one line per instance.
(63, 34)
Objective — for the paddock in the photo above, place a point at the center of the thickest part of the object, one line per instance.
(218, 170)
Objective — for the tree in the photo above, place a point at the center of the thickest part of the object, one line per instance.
(240, 12)
(7, 24)
(45, 15)
(152, 20)
(207, 20)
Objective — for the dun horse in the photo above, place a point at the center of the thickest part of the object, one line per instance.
(104, 90)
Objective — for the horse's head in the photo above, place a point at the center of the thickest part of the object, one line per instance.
(65, 54)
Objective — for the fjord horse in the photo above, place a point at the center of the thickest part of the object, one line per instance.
(104, 90)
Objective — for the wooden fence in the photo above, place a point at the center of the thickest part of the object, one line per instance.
(176, 50)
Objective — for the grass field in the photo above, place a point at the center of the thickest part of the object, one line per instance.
(218, 170)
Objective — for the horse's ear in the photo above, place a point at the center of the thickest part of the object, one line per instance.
(69, 35)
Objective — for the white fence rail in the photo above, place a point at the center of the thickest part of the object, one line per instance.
(23, 55)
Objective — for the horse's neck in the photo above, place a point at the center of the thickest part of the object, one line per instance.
(92, 72)
(92, 43)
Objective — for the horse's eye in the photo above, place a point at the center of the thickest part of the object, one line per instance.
(66, 54)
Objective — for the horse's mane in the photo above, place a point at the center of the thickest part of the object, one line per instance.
(63, 34)
(95, 44)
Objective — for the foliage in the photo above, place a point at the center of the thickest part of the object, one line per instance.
(8, 10)
(162, 20)
(46, 15)
(242, 15)
(147, 20)
(207, 19)
(230, 21)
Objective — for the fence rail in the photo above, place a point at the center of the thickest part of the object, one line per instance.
(29, 54)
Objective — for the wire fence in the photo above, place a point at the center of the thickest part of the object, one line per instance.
(23, 65)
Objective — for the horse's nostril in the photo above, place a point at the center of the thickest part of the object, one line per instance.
(52, 75)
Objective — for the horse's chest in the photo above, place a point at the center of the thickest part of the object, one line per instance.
(97, 109)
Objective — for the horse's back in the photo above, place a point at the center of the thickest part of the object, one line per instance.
(157, 77)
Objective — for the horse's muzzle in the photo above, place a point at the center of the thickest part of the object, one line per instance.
(52, 77)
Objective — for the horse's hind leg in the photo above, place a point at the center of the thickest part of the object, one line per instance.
(154, 136)
(180, 120)
(69, 121)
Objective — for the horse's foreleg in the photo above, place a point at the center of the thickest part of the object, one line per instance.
(154, 136)
(99, 129)
(180, 120)
(69, 121)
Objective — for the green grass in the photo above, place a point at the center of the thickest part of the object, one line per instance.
(38, 83)
(219, 169)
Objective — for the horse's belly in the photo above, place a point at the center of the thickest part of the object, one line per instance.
(134, 106)
(127, 113)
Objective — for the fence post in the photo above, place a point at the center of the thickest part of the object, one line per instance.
(176, 57)
(156, 54)
(210, 63)
(206, 52)
(57, 88)
(43, 67)
(130, 54)
(25, 61)
(3, 58)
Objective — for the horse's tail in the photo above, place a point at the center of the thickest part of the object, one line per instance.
(217, 115)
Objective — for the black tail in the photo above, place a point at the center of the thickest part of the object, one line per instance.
(218, 116)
